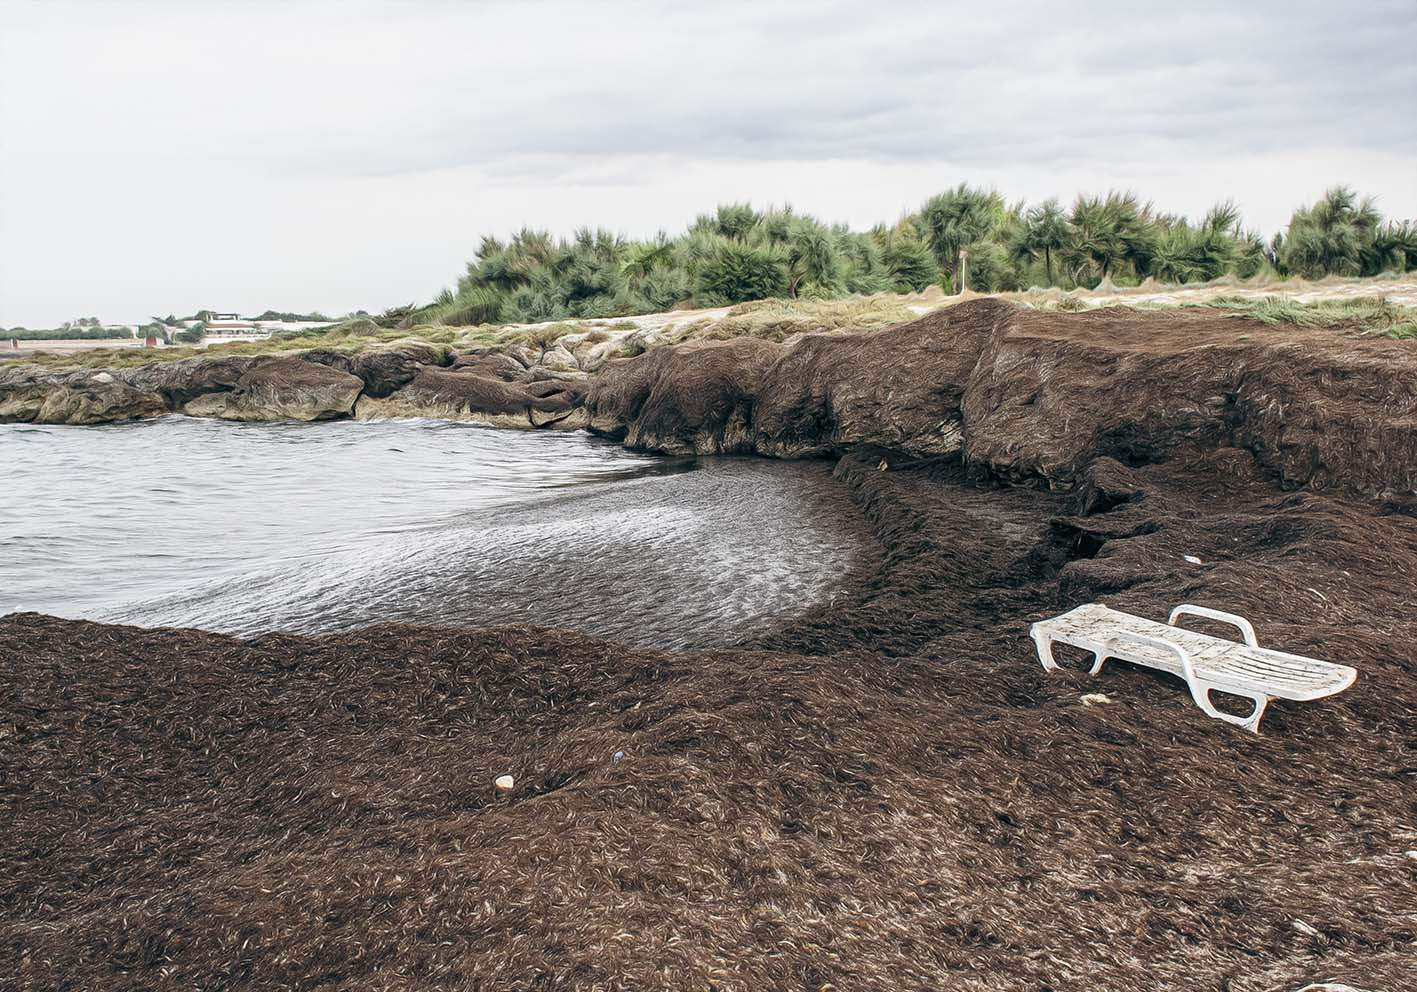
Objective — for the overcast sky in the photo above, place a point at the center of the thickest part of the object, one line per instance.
(170, 156)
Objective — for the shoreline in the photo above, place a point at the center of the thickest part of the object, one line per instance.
(1023, 394)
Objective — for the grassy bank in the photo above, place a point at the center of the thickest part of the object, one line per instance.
(1362, 307)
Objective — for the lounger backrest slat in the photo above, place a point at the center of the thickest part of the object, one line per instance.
(1263, 667)
(1245, 671)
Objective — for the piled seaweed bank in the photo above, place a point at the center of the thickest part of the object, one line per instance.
(887, 794)
(1033, 396)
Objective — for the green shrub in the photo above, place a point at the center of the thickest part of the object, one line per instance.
(910, 264)
(735, 271)
(476, 305)
(1341, 234)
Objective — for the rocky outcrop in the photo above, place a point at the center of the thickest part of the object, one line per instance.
(181, 382)
(485, 362)
(86, 397)
(23, 392)
(467, 394)
(383, 371)
(282, 389)
(98, 399)
(322, 384)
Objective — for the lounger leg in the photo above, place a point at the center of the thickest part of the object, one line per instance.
(1044, 644)
(1097, 660)
(1201, 694)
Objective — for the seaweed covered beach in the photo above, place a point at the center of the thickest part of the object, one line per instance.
(883, 792)
(737, 497)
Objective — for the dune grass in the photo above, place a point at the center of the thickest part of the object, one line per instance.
(1366, 314)
(781, 319)
(128, 358)
(334, 339)
(778, 320)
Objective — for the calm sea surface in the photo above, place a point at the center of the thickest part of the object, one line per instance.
(248, 528)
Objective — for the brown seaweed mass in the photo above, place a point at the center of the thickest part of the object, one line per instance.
(887, 793)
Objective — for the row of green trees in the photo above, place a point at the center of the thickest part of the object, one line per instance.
(90, 329)
(83, 329)
(735, 254)
(286, 315)
(738, 253)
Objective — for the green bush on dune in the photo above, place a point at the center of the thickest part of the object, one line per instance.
(739, 253)
(1343, 234)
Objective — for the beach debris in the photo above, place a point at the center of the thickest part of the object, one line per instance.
(1330, 987)
(1193, 559)
(1096, 699)
(1304, 928)
(617, 755)
(504, 783)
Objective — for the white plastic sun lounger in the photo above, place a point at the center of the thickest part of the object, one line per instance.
(1206, 663)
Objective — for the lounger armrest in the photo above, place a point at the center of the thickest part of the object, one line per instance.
(1247, 629)
(1187, 668)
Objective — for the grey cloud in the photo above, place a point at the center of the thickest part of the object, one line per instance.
(1270, 77)
(254, 113)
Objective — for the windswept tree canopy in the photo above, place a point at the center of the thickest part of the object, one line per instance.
(1344, 234)
(1043, 233)
(955, 220)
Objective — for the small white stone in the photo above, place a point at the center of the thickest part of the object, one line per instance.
(1192, 559)
(504, 782)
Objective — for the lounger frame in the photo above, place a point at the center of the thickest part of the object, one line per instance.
(1208, 664)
